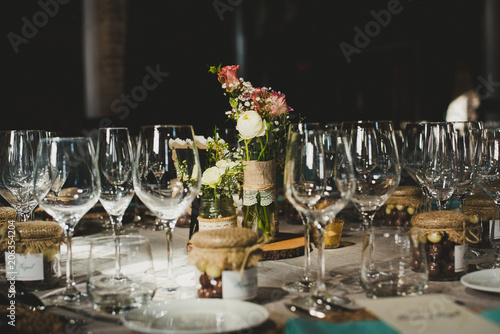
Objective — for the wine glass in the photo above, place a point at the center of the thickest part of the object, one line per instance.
(440, 170)
(167, 178)
(17, 154)
(412, 157)
(319, 189)
(298, 132)
(67, 185)
(488, 179)
(376, 165)
(467, 135)
(116, 162)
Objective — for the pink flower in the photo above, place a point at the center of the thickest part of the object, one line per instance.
(277, 104)
(259, 100)
(269, 102)
(229, 75)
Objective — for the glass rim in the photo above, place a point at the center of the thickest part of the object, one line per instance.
(114, 128)
(63, 139)
(166, 126)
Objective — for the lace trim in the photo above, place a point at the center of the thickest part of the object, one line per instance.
(266, 197)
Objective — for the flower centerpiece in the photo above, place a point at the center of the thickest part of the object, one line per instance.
(221, 179)
(261, 116)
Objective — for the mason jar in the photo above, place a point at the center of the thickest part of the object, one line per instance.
(443, 234)
(217, 214)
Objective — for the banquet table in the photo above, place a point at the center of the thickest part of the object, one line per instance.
(341, 264)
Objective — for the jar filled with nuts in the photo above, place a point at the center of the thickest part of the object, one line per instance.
(227, 260)
(443, 233)
(481, 211)
(35, 258)
(405, 202)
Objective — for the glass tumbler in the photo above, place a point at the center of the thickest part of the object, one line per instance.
(134, 287)
(393, 263)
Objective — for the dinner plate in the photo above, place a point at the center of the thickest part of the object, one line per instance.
(485, 280)
(195, 316)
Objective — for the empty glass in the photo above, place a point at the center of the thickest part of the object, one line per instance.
(17, 162)
(467, 136)
(488, 179)
(136, 285)
(393, 262)
(167, 178)
(440, 170)
(376, 165)
(307, 282)
(116, 162)
(318, 185)
(67, 185)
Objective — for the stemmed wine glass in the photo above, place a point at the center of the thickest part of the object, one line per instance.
(67, 185)
(412, 157)
(297, 132)
(17, 161)
(488, 179)
(467, 135)
(376, 165)
(167, 178)
(440, 170)
(116, 162)
(319, 189)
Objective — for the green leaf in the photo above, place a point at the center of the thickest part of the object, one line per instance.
(215, 70)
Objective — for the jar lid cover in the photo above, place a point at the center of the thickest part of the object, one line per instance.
(225, 238)
(439, 220)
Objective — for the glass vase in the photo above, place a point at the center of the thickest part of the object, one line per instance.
(216, 214)
(259, 198)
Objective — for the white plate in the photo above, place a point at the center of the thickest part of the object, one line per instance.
(485, 280)
(196, 316)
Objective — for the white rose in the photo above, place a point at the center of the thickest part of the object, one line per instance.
(250, 125)
(225, 164)
(211, 177)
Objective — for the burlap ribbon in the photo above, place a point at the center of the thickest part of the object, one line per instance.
(259, 175)
(480, 206)
(449, 222)
(229, 249)
(406, 196)
(34, 236)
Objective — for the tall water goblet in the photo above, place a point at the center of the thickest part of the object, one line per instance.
(67, 185)
(376, 165)
(116, 163)
(467, 136)
(319, 189)
(167, 178)
(440, 170)
(298, 137)
(488, 179)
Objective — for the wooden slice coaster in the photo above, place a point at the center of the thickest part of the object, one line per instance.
(286, 245)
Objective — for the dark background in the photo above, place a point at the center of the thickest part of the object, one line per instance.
(406, 73)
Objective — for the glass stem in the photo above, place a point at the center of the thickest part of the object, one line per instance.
(307, 252)
(169, 226)
(116, 223)
(23, 216)
(441, 204)
(461, 203)
(70, 292)
(496, 250)
(320, 280)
